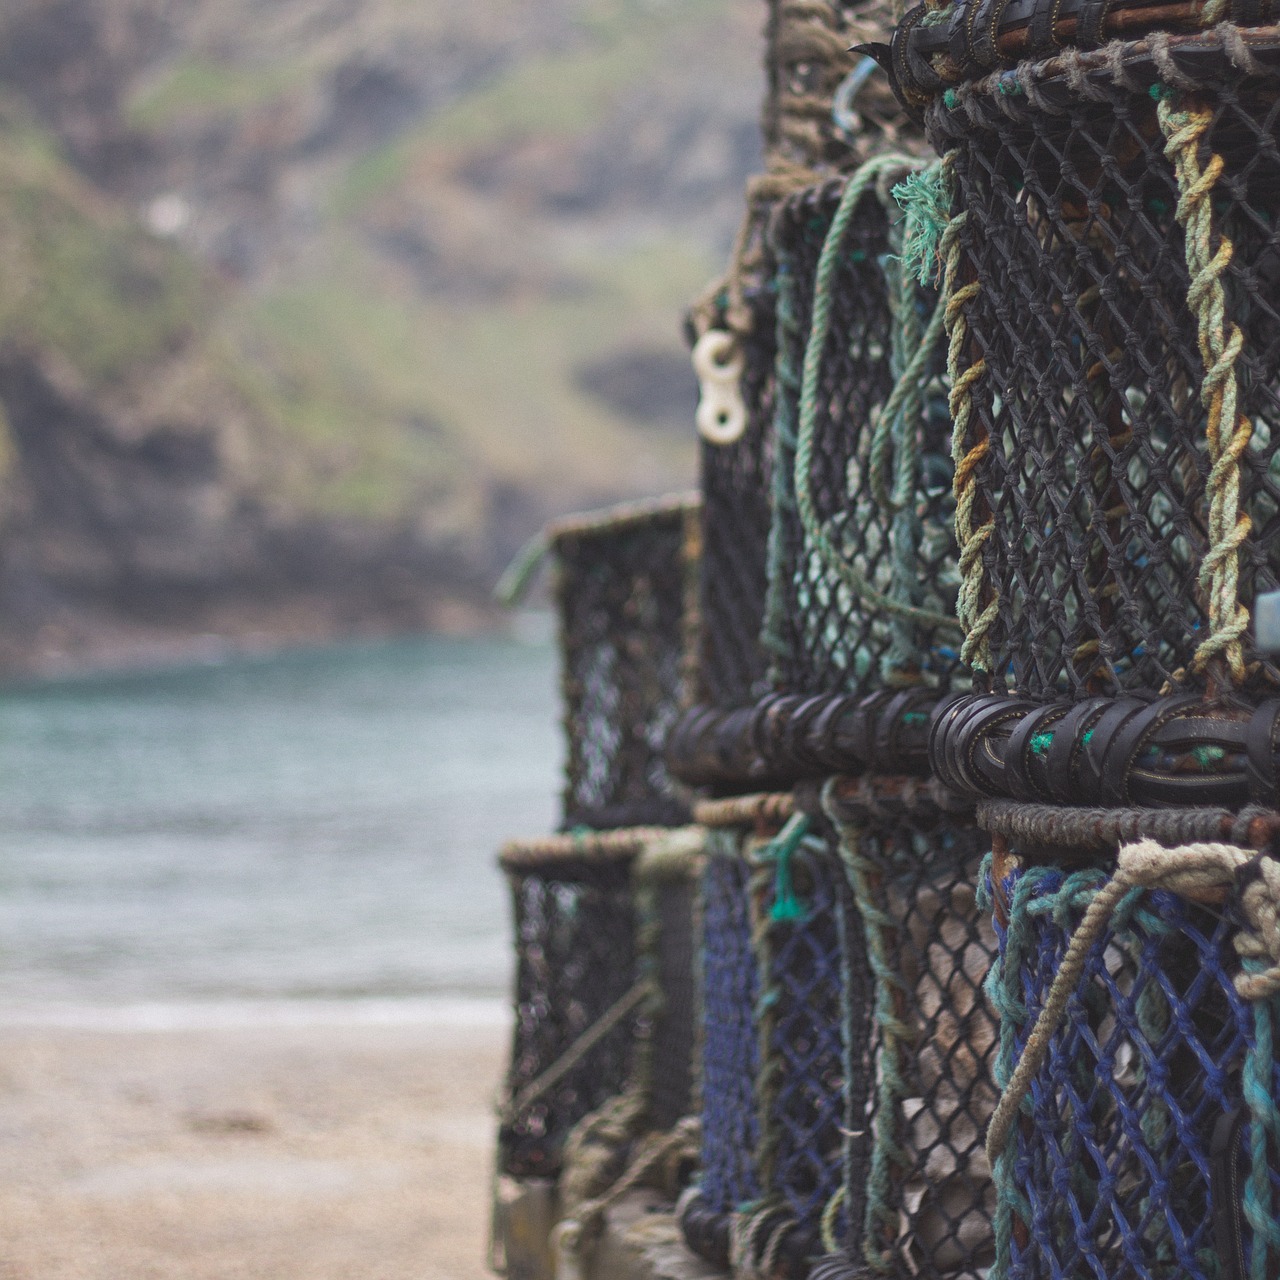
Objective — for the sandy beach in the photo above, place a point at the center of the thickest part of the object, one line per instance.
(264, 1150)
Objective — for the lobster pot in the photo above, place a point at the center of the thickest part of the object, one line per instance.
(735, 533)
(1087, 421)
(773, 1065)
(575, 935)
(1147, 1143)
(919, 1196)
(882, 530)
(622, 583)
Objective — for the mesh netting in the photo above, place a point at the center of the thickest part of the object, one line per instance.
(730, 1049)
(575, 958)
(669, 906)
(778, 971)
(825, 636)
(621, 590)
(735, 531)
(1133, 1133)
(802, 904)
(1088, 414)
(928, 1198)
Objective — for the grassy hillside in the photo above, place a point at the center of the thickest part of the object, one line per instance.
(401, 267)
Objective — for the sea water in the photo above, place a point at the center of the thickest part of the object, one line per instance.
(293, 835)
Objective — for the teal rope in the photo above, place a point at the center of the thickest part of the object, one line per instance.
(897, 434)
(857, 187)
(1264, 1135)
(888, 1154)
(772, 861)
(1003, 988)
(787, 381)
(787, 908)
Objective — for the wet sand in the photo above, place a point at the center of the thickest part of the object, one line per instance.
(256, 1152)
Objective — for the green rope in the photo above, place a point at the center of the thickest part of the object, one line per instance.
(1220, 344)
(771, 1066)
(820, 325)
(781, 498)
(516, 578)
(888, 1154)
(925, 197)
(1264, 1134)
(787, 908)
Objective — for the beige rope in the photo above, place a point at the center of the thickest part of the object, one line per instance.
(569, 1235)
(579, 1049)
(1188, 870)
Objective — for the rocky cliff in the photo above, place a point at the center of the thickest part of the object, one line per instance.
(311, 310)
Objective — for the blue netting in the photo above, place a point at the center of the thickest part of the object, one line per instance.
(801, 899)
(730, 1048)
(1110, 1169)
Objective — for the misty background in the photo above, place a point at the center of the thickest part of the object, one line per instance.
(311, 311)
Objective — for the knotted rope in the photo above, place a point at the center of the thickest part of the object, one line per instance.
(571, 1234)
(1228, 431)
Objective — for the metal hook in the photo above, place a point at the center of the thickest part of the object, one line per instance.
(842, 112)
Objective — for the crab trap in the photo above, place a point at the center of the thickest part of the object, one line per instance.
(1115, 339)
(1142, 1140)
(605, 927)
(623, 581)
(917, 1197)
(862, 569)
(774, 912)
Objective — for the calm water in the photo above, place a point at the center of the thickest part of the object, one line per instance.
(319, 826)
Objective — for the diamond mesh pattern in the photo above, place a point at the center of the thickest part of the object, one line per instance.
(1111, 1172)
(575, 957)
(803, 1074)
(827, 640)
(621, 593)
(730, 1049)
(937, 1219)
(1096, 468)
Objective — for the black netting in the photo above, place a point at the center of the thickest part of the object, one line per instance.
(1096, 460)
(735, 534)
(928, 1195)
(671, 905)
(1133, 1158)
(621, 589)
(824, 636)
(575, 958)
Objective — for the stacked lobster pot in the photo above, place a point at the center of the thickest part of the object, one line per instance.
(601, 1065)
(1111, 273)
(847, 1047)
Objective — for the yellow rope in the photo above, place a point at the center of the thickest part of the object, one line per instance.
(974, 617)
(1220, 342)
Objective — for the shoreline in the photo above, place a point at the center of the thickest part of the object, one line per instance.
(443, 1012)
(352, 1144)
